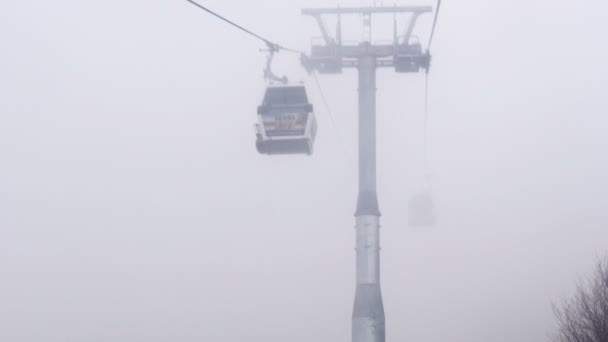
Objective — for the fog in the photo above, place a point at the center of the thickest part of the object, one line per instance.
(134, 206)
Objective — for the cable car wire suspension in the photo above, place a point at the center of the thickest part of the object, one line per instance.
(269, 75)
(271, 45)
(434, 24)
(426, 121)
(348, 155)
(426, 91)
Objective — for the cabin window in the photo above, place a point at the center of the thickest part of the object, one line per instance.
(284, 124)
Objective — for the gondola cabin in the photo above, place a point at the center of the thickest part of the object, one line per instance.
(421, 210)
(286, 122)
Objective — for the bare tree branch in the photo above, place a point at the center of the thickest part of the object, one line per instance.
(584, 317)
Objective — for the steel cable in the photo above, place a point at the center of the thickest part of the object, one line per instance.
(434, 24)
(271, 45)
(348, 155)
(426, 91)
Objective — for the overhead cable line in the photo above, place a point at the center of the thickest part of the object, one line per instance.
(426, 90)
(426, 121)
(434, 24)
(350, 158)
(271, 45)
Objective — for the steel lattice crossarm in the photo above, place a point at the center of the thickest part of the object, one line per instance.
(404, 54)
(367, 10)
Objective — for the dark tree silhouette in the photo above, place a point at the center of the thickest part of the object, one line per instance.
(584, 317)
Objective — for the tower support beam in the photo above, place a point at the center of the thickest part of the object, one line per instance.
(368, 312)
(367, 10)
(368, 322)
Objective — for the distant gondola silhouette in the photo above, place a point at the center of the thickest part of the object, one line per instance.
(421, 210)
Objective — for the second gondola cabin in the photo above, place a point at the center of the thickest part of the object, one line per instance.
(421, 211)
(286, 122)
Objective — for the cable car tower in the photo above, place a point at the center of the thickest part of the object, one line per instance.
(287, 125)
(405, 55)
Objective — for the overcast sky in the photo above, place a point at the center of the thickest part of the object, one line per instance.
(134, 206)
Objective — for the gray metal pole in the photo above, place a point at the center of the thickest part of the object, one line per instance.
(368, 312)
